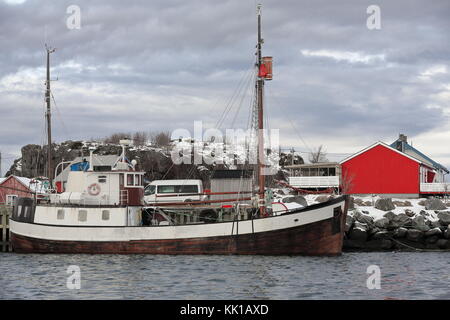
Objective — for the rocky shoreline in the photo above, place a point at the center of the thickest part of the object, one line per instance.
(421, 227)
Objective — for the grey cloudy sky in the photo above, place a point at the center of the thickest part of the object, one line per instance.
(163, 64)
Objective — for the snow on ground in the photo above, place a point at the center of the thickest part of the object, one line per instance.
(415, 207)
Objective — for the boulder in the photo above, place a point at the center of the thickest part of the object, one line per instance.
(363, 218)
(382, 223)
(414, 235)
(443, 244)
(374, 230)
(407, 203)
(297, 199)
(384, 204)
(400, 220)
(433, 232)
(418, 222)
(444, 218)
(409, 213)
(400, 232)
(359, 232)
(368, 203)
(421, 203)
(382, 235)
(399, 203)
(447, 233)
(434, 204)
(349, 220)
(386, 244)
(432, 239)
(358, 201)
(435, 224)
(389, 215)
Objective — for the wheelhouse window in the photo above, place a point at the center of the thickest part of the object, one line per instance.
(137, 179)
(101, 179)
(130, 179)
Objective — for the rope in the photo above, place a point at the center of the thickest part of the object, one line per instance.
(416, 249)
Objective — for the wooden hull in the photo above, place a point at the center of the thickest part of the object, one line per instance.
(324, 237)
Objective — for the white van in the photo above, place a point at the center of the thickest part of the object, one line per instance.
(174, 191)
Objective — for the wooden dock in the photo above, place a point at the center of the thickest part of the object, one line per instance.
(5, 245)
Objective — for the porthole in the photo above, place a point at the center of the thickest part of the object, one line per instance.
(82, 215)
(105, 214)
(60, 214)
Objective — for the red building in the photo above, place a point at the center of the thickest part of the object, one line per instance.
(383, 169)
(13, 187)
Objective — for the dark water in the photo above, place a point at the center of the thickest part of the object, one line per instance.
(403, 276)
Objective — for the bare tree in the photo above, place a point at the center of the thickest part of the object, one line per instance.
(162, 139)
(346, 182)
(318, 155)
(116, 137)
(140, 138)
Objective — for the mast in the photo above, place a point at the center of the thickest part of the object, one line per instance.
(48, 116)
(259, 97)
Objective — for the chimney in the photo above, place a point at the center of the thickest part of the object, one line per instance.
(403, 138)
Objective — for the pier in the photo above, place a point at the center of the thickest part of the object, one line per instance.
(5, 245)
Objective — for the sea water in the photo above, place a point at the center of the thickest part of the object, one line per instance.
(380, 275)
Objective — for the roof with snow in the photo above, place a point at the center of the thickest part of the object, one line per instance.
(402, 145)
(380, 143)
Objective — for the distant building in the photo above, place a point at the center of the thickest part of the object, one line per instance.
(322, 175)
(393, 170)
(397, 169)
(13, 187)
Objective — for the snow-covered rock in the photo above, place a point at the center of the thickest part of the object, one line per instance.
(382, 223)
(434, 204)
(418, 222)
(385, 204)
(400, 232)
(444, 217)
(359, 231)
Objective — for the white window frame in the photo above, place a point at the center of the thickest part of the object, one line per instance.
(8, 197)
(134, 185)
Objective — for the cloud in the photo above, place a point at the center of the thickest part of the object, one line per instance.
(158, 65)
(348, 56)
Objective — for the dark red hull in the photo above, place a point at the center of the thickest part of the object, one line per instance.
(318, 238)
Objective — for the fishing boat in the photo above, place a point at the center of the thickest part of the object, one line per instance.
(101, 210)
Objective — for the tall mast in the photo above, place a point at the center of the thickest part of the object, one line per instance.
(260, 88)
(48, 116)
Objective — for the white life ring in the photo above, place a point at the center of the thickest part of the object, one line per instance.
(94, 189)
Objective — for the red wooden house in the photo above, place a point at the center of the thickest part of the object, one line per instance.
(12, 187)
(383, 169)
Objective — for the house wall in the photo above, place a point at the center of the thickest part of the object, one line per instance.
(381, 171)
(12, 183)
